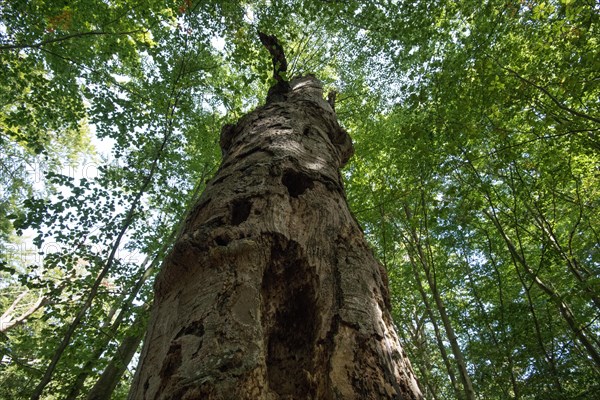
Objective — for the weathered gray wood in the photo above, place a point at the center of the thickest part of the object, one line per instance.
(271, 291)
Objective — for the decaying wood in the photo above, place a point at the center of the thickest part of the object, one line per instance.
(271, 291)
(278, 91)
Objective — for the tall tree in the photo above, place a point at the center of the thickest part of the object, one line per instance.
(271, 289)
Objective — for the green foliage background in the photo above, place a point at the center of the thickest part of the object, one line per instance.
(476, 176)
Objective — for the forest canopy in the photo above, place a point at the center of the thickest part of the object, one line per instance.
(476, 175)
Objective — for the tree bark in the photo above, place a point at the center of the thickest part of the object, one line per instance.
(108, 381)
(271, 291)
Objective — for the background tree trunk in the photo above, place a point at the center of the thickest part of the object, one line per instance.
(110, 377)
(271, 291)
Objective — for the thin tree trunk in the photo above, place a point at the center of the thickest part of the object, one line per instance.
(503, 329)
(580, 332)
(577, 270)
(110, 334)
(124, 308)
(564, 309)
(538, 332)
(128, 220)
(419, 342)
(125, 303)
(66, 339)
(492, 332)
(438, 335)
(271, 291)
(436, 329)
(427, 267)
(106, 384)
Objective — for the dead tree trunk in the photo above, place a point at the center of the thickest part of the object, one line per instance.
(271, 291)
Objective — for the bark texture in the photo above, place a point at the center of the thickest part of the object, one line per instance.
(271, 291)
(112, 374)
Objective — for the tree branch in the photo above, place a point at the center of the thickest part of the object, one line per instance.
(63, 38)
(8, 322)
(558, 103)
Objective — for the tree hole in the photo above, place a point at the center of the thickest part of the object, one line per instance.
(222, 240)
(171, 362)
(240, 211)
(296, 182)
(290, 319)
